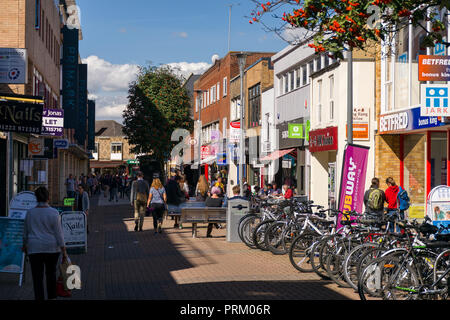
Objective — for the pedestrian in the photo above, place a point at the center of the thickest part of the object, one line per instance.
(175, 196)
(82, 203)
(275, 192)
(43, 243)
(139, 197)
(201, 191)
(184, 186)
(391, 194)
(70, 186)
(90, 184)
(288, 193)
(157, 200)
(113, 189)
(374, 199)
(236, 195)
(213, 201)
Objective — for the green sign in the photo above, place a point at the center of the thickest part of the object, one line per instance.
(136, 162)
(299, 130)
(69, 202)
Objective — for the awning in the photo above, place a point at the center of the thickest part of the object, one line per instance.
(277, 154)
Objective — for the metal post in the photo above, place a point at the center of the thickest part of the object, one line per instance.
(350, 97)
(9, 168)
(242, 59)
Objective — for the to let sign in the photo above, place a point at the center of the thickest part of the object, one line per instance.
(53, 122)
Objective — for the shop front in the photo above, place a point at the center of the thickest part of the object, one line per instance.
(323, 145)
(418, 148)
(293, 155)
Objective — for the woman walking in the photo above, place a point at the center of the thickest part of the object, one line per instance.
(214, 201)
(43, 243)
(157, 199)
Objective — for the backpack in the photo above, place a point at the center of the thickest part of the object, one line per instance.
(403, 199)
(375, 200)
(141, 197)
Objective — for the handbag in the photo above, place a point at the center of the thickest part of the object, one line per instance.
(61, 284)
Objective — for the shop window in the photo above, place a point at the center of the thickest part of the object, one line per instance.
(438, 159)
(414, 167)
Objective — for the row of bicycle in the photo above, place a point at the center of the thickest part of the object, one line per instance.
(353, 250)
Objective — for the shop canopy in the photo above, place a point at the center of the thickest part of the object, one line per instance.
(277, 154)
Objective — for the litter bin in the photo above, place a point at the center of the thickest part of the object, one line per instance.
(236, 210)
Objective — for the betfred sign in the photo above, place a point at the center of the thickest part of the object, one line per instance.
(394, 122)
(323, 139)
(434, 68)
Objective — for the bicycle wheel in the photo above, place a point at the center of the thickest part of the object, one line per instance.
(248, 226)
(300, 251)
(335, 261)
(274, 238)
(351, 263)
(441, 273)
(259, 234)
(242, 222)
(315, 257)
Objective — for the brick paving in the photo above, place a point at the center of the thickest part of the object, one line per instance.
(125, 265)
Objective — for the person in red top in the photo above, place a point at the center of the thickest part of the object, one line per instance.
(391, 199)
(288, 193)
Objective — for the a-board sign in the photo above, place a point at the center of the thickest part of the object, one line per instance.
(21, 203)
(438, 206)
(74, 229)
(11, 243)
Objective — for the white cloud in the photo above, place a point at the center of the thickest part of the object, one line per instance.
(105, 76)
(182, 34)
(108, 83)
(186, 68)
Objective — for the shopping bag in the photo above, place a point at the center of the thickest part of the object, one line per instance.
(63, 271)
(60, 290)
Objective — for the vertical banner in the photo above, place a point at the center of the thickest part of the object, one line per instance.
(70, 77)
(81, 130)
(91, 125)
(353, 179)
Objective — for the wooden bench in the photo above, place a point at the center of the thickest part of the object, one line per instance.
(203, 215)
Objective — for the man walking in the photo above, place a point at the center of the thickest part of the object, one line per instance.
(139, 196)
(70, 186)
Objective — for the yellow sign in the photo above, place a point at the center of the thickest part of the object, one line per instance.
(417, 212)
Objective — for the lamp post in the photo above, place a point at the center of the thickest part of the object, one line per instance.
(199, 141)
(242, 58)
(350, 96)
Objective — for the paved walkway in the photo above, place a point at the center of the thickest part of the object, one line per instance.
(123, 264)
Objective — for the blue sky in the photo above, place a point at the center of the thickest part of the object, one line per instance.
(137, 31)
(118, 36)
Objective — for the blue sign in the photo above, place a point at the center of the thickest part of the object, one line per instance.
(407, 120)
(11, 243)
(436, 97)
(61, 143)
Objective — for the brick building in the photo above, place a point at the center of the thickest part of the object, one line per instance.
(35, 25)
(112, 151)
(212, 106)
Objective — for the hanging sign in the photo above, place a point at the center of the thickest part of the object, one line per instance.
(13, 66)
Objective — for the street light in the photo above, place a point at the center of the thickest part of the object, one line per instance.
(199, 141)
(242, 58)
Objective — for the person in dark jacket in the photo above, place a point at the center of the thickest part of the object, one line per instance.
(175, 196)
(213, 201)
(374, 188)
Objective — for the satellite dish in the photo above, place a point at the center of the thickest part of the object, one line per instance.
(215, 58)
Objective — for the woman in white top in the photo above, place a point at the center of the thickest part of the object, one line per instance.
(43, 243)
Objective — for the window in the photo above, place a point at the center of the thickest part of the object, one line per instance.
(292, 81)
(204, 101)
(224, 128)
(37, 15)
(326, 60)
(116, 151)
(286, 83)
(254, 106)
(305, 75)
(331, 98)
(319, 63)
(319, 100)
(311, 67)
(225, 86)
(298, 77)
(218, 91)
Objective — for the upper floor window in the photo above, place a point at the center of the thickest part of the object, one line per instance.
(225, 86)
(254, 105)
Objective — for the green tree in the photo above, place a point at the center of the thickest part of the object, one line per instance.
(158, 104)
(336, 25)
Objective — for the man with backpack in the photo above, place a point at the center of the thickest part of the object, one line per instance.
(139, 196)
(374, 199)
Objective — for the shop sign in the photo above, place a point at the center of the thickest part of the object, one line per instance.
(406, 121)
(435, 100)
(36, 147)
(299, 130)
(205, 152)
(323, 139)
(222, 159)
(440, 49)
(434, 68)
(53, 122)
(61, 144)
(235, 132)
(13, 66)
(20, 117)
(21, 203)
(353, 179)
(74, 229)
